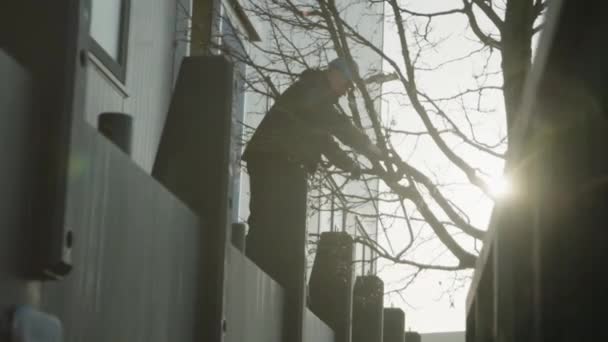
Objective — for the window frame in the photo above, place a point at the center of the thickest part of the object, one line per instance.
(118, 67)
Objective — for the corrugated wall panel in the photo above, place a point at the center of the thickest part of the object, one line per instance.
(150, 74)
(254, 302)
(101, 95)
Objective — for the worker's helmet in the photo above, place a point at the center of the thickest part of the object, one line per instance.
(348, 70)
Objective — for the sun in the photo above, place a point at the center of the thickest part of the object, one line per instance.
(500, 187)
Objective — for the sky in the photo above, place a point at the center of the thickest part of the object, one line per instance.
(435, 300)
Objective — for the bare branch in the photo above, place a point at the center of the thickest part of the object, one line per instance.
(489, 12)
(486, 39)
(389, 257)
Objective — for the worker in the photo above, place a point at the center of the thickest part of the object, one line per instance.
(287, 147)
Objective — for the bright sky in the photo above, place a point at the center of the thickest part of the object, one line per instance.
(435, 301)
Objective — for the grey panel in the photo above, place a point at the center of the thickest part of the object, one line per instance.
(254, 302)
(315, 330)
(136, 252)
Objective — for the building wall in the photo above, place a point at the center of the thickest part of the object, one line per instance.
(153, 52)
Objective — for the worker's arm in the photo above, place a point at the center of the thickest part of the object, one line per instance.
(315, 107)
(337, 156)
(340, 126)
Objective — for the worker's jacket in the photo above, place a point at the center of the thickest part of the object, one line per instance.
(301, 125)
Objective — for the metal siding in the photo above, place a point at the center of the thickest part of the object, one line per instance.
(136, 255)
(254, 302)
(149, 82)
(101, 95)
(150, 74)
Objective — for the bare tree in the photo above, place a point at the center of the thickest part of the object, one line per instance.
(412, 198)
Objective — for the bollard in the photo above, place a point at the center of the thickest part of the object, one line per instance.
(368, 309)
(394, 325)
(331, 282)
(412, 336)
(118, 128)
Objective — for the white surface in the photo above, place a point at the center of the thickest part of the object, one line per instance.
(105, 25)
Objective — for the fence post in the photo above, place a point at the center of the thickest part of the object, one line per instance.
(412, 336)
(368, 305)
(394, 325)
(118, 127)
(331, 282)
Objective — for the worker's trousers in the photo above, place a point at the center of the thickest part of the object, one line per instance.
(277, 236)
(277, 221)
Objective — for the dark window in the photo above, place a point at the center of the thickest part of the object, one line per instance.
(109, 34)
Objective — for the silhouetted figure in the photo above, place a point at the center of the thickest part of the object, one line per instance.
(287, 147)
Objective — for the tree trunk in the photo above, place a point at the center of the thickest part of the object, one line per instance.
(516, 39)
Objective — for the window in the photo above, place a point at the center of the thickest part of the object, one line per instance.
(109, 33)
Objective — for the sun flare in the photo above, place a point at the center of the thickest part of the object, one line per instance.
(500, 187)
